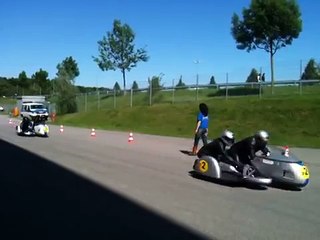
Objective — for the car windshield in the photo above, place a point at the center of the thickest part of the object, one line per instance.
(38, 106)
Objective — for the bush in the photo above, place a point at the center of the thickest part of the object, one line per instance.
(238, 91)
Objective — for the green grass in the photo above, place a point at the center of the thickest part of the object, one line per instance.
(290, 118)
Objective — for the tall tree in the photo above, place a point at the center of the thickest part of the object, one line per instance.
(253, 76)
(23, 80)
(135, 86)
(155, 84)
(6, 88)
(68, 69)
(117, 50)
(212, 82)
(180, 84)
(268, 25)
(117, 87)
(40, 78)
(311, 71)
(65, 85)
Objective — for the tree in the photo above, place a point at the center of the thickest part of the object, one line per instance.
(135, 86)
(117, 50)
(155, 85)
(212, 82)
(68, 69)
(268, 25)
(253, 76)
(311, 71)
(5, 88)
(180, 84)
(65, 85)
(23, 80)
(40, 78)
(117, 88)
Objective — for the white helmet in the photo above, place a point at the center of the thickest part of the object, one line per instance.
(227, 137)
(262, 136)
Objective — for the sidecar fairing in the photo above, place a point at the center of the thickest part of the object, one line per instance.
(283, 167)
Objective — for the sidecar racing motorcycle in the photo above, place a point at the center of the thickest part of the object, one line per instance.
(36, 127)
(279, 168)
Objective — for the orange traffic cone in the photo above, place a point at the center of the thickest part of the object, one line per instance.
(61, 128)
(10, 121)
(93, 132)
(130, 139)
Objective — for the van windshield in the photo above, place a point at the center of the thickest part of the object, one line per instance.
(39, 106)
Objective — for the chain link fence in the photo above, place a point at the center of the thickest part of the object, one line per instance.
(113, 99)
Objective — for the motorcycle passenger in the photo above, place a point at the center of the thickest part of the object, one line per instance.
(244, 151)
(218, 149)
(26, 122)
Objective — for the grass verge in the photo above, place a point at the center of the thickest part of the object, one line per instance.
(292, 121)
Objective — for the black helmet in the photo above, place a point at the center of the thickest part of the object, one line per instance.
(262, 136)
(227, 137)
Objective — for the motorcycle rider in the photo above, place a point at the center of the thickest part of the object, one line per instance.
(218, 149)
(26, 122)
(244, 151)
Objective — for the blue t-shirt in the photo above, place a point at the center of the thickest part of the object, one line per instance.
(204, 120)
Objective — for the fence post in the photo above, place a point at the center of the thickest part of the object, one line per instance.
(260, 90)
(197, 91)
(131, 96)
(150, 97)
(85, 102)
(227, 80)
(173, 91)
(300, 87)
(98, 93)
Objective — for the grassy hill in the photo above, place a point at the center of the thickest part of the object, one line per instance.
(291, 119)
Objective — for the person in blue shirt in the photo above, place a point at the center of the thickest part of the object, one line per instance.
(202, 126)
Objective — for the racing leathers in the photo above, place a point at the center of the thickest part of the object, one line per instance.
(218, 149)
(26, 123)
(244, 151)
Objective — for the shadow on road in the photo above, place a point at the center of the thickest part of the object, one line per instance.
(284, 187)
(42, 200)
(186, 152)
(226, 183)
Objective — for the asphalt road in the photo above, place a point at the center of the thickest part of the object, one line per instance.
(152, 173)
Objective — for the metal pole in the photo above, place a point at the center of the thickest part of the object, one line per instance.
(300, 87)
(131, 95)
(98, 99)
(300, 78)
(260, 89)
(150, 97)
(173, 91)
(197, 78)
(300, 69)
(227, 80)
(85, 102)
(197, 91)
(114, 98)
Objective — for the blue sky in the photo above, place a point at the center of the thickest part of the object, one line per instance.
(40, 34)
